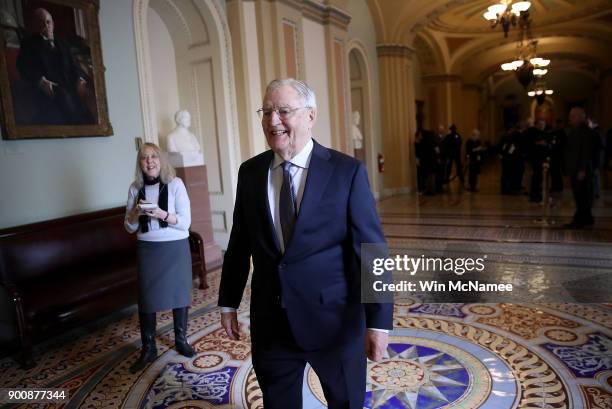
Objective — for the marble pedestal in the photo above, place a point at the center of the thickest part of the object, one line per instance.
(196, 182)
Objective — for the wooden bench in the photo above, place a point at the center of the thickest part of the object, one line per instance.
(65, 272)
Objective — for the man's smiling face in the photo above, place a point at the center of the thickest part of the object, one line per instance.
(287, 134)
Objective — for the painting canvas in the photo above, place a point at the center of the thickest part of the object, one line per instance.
(51, 71)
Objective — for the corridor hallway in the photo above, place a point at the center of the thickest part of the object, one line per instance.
(489, 216)
(447, 354)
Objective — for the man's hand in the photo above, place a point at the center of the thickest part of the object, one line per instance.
(229, 322)
(47, 86)
(376, 344)
(82, 88)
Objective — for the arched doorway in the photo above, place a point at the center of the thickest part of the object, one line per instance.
(189, 67)
(362, 141)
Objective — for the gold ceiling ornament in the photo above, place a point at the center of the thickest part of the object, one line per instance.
(508, 13)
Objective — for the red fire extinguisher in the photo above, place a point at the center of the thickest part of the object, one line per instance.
(381, 163)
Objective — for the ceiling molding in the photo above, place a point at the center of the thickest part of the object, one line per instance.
(325, 14)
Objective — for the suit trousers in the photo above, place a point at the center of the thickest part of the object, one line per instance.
(279, 364)
(459, 168)
(583, 197)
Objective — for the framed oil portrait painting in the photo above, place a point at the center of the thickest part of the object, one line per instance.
(51, 71)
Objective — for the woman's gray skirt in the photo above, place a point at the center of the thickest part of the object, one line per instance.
(164, 275)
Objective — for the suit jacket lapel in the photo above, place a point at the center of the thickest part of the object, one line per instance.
(319, 172)
(262, 198)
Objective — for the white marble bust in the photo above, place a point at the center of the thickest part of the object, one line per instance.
(182, 145)
(357, 136)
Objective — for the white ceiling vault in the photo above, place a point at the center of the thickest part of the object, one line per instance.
(452, 37)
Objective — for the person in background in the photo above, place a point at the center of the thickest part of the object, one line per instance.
(608, 156)
(538, 155)
(426, 161)
(452, 147)
(158, 210)
(419, 153)
(474, 155)
(599, 147)
(579, 167)
(556, 144)
(521, 145)
(440, 157)
(507, 153)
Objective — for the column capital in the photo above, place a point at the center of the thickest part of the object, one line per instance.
(326, 14)
(394, 50)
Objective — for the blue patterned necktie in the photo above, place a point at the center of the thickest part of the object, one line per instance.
(287, 206)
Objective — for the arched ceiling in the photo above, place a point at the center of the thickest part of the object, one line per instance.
(467, 18)
(453, 38)
(477, 66)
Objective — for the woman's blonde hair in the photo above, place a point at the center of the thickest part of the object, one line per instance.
(166, 173)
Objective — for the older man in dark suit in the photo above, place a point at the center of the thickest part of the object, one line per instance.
(302, 212)
(47, 63)
(579, 167)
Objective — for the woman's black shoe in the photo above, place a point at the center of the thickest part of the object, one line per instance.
(148, 353)
(180, 332)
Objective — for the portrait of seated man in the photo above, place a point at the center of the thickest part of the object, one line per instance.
(53, 88)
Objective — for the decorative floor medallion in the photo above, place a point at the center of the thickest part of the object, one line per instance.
(424, 369)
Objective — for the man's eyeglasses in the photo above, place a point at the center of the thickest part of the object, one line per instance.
(283, 112)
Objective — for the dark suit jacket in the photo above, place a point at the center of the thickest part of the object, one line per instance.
(579, 150)
(36, 59)
(318, 276)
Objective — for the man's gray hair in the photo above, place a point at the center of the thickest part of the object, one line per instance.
(304, 91)
(581, 111)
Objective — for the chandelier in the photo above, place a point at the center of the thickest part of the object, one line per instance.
(528, 67)
(509, 14)
(540, 91)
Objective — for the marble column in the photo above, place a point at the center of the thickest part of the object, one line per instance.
(398, 117)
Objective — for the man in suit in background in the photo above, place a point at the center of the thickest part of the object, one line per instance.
(302, 212)
(47, 63)
(579, 167)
